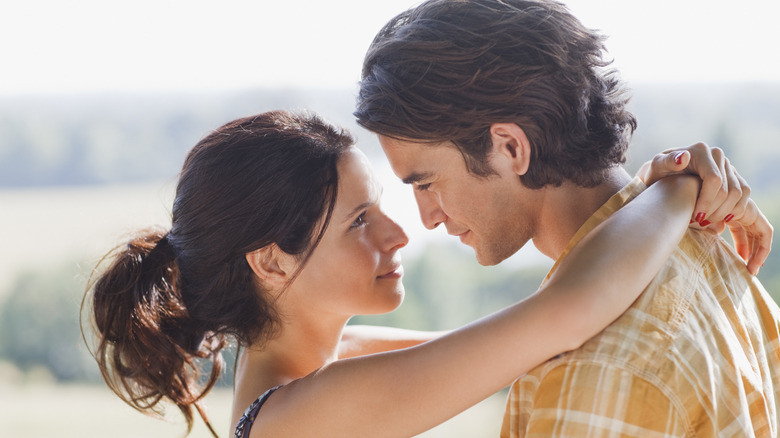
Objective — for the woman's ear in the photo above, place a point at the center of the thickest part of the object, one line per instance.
(271, 265)
(510, 141)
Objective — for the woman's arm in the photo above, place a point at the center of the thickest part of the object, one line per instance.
(359, 340)
(724, 199)
(404, 392)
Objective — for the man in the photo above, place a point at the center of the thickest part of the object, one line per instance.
(502, 117)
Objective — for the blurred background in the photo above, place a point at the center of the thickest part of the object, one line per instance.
(100, 101)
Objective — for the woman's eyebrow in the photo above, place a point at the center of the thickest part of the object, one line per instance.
(355, 210)
(364, 205)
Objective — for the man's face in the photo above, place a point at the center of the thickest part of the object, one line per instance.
(495, 216)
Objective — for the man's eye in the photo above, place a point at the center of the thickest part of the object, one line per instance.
(360, 221)
(422, 187)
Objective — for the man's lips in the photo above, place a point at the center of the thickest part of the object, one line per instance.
(456, 232)
(462, 235)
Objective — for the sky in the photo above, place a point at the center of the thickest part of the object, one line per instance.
(51, 46)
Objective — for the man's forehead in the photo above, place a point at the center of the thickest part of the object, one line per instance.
(405, 144)
(414, 161)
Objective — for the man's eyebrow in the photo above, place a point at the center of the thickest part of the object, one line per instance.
(416, 177)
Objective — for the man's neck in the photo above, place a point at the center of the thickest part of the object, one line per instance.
(566, 208)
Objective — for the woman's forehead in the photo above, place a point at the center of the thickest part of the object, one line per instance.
(357, 179)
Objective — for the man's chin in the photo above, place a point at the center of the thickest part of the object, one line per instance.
(484, 258)
(493, 256)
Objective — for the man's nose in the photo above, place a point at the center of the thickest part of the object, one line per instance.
(431, 213)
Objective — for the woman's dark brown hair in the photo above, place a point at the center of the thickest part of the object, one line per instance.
(168, 299)
(448, 69)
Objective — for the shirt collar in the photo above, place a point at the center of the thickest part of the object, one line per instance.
(615, 203)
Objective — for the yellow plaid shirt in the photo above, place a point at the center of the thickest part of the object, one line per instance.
(697, 355)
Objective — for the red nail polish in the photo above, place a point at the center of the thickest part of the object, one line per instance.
(728, 217)
(678, 158)
(704, 223)
(699, 217)
(692, 221)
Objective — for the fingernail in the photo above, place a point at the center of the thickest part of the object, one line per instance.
(728, 217)
(704, 223)
(678, 158)
(692, 221)
(699, 217)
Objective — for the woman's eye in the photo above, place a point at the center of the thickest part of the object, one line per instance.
(423, 187)
(360, 221)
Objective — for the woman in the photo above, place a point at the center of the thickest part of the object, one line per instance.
(277, 239)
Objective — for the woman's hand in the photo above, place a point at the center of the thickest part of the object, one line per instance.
(724, 199)
(752, 235)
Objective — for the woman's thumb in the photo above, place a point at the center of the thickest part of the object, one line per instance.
(679, 160)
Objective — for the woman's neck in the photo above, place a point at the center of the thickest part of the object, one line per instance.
(304, 345)
(301, 346)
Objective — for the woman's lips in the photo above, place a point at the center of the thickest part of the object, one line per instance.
(395, 272)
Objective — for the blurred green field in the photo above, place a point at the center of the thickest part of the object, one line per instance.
(70, 411)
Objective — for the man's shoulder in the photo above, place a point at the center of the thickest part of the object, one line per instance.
(689, 300)
(651, 333)
(675, 350)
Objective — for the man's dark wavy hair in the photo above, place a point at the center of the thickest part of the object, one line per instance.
(448, 69)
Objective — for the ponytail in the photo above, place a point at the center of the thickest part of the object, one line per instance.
(168, 300)
(147, 343)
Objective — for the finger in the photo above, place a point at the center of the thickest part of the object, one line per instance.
(717, 227)
(762, 244)
(741, 240)
(678, 160)
(727, 199)
(739, 209)
(752, 237)
(708, 166)
(664, 164)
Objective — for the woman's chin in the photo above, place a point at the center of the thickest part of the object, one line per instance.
(391, 301)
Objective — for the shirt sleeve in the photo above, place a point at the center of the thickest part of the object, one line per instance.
(590, 399)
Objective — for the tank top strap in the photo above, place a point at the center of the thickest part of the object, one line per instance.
(245, 423)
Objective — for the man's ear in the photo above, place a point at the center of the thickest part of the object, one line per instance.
(510, 141)
(271, 265)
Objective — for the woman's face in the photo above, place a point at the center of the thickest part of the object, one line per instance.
(356, 268)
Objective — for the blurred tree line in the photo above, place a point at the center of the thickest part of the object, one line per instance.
(115, 138)
(109, 138)
(99, 139)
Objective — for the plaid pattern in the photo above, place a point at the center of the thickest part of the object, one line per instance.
(697, 355)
